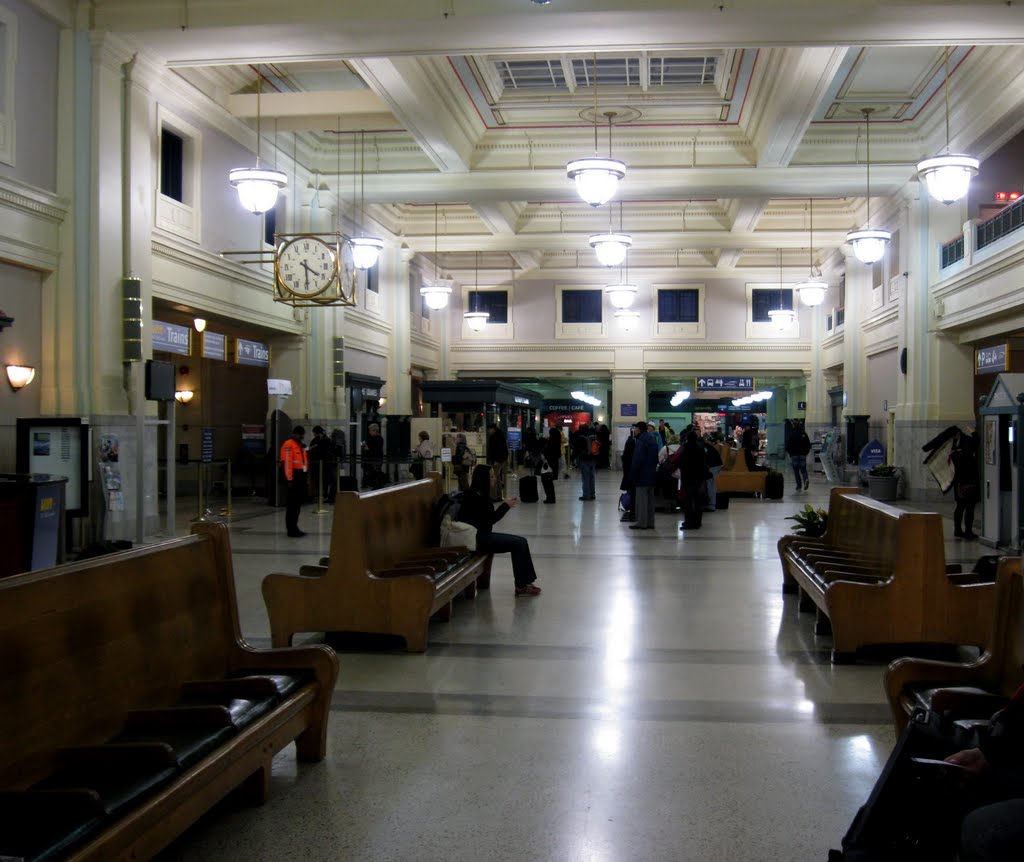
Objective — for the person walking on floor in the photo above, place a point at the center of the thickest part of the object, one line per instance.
(553, 450)
(964, 459)
(463, 462)
(713, 458)
(626, 485)
(497, 457)
(296, 466)
(586, 458)
(644, 471)
(323, 464)
(478, 509)
(798, 447)
(693, 473)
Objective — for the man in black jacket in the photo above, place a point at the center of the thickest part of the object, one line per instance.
(798, 447)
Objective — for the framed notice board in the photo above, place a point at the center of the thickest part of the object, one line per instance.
(59, 447)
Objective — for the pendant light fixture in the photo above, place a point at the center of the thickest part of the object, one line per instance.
(627, 318)
(812, 290)
(868, 245)
(475, 318)
(948, 176)
(597, 178)
(436, 294)
(611, 247)
(622, 295)
(258, 187)
(783, 318)
(365, 249)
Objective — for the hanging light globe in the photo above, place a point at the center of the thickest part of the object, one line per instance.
(257, 187)
(628, 320)
(812, 292)
(611, 248)
(783, 318)
(621, 295)
(948, 177)
(436, 295)
(366, 251)
(476, 320)
(597, 179)
(869, 245)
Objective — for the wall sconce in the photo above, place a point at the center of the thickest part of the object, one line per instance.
(199, 324)
(19, 376)
(183, 396)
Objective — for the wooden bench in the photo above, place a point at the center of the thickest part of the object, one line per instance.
(970, 690)
(879, 576)
(131, 703)
(734, 475)
(381, 576)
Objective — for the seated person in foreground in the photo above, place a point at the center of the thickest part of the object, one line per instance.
(478, 510)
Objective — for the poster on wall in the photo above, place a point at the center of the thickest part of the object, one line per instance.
(57, 447)
(991, 439)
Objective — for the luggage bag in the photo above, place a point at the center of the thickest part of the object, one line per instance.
(528, 489)
(774, 485)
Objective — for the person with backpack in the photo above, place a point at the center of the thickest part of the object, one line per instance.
(643, 470)
(463, 462)
(798, 447)
(477, 509)
(587, 449)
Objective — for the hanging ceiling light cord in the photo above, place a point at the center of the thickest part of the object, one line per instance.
(435, 242)
(259, 93)
(362, 180)
(947, 99)
(337, 203)
(595, 106)
(810, 236)
(476, 283)
(867, 136)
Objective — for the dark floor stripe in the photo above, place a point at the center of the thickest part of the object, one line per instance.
(521, 706)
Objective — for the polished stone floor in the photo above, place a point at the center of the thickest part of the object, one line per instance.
(660, 701)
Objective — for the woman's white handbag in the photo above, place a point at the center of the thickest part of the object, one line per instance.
(457, 534)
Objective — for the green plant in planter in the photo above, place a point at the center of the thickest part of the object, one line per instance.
(884, 470)
(810, 522)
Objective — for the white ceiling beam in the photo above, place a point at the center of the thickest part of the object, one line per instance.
(405, 85)
(500, 217)
(528, 261)
(745, 213)
(799, 81)
(728, 258)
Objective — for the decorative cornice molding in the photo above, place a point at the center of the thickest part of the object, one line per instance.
(880, 318)
(173, 248)
(16, 194)
(750, 347)
(367, 321)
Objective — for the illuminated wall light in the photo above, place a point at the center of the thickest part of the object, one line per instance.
(19, 376)
(183, 396)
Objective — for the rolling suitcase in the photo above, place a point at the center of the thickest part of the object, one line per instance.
(773, 485)
(528, 489)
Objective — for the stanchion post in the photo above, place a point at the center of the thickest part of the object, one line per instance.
(320, 510)
(199, 490)
(227, 509)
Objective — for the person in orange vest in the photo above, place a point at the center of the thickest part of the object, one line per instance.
(296, 465)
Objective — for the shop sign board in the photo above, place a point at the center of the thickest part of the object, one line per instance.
(252, 353)
(871, 455)
(730, 384)
(990, 360)
(254, 439)
(215, 346)
(172, 338)
(627, 409)
(514, 438)
(446, 455)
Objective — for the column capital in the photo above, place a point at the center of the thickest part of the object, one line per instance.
(406, 254)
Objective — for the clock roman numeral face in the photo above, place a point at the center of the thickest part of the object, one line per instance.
(306, 266)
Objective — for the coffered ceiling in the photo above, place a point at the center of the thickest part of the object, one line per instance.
(730, 115)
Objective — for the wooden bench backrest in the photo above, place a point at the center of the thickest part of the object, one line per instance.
(1007, 647)
(82, 643)
(374, 531)
(882, 532)
(732, 458)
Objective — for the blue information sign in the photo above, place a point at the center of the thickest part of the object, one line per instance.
(207, 452)
(514, 438)
(871, 455)
(252, 353)
(627, 410)
(215, 345)
(729, 384)
(988, 360)
(172, 338)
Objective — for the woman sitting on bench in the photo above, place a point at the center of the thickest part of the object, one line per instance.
(478, 510)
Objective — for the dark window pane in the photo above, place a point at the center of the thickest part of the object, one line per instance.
(269, 226)
(373, 279)
(424, 308)
(494, 302)
(764, 300)
(172, 162)
(679, 306)
(581, 306)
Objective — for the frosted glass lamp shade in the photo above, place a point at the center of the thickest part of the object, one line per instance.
(783, 318)
(436, 295)
(366, 251)
(869, 245)
(621, 295)
(812, 292)
(628, 320)
(948, 177)
(596, 179)
(611, 248)
(257, 187)
(476, 320)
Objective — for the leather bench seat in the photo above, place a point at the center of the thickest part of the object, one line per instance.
(43, 826)
(961, 701)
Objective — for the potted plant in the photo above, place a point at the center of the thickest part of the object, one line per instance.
(883, 482)
(810, 522)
